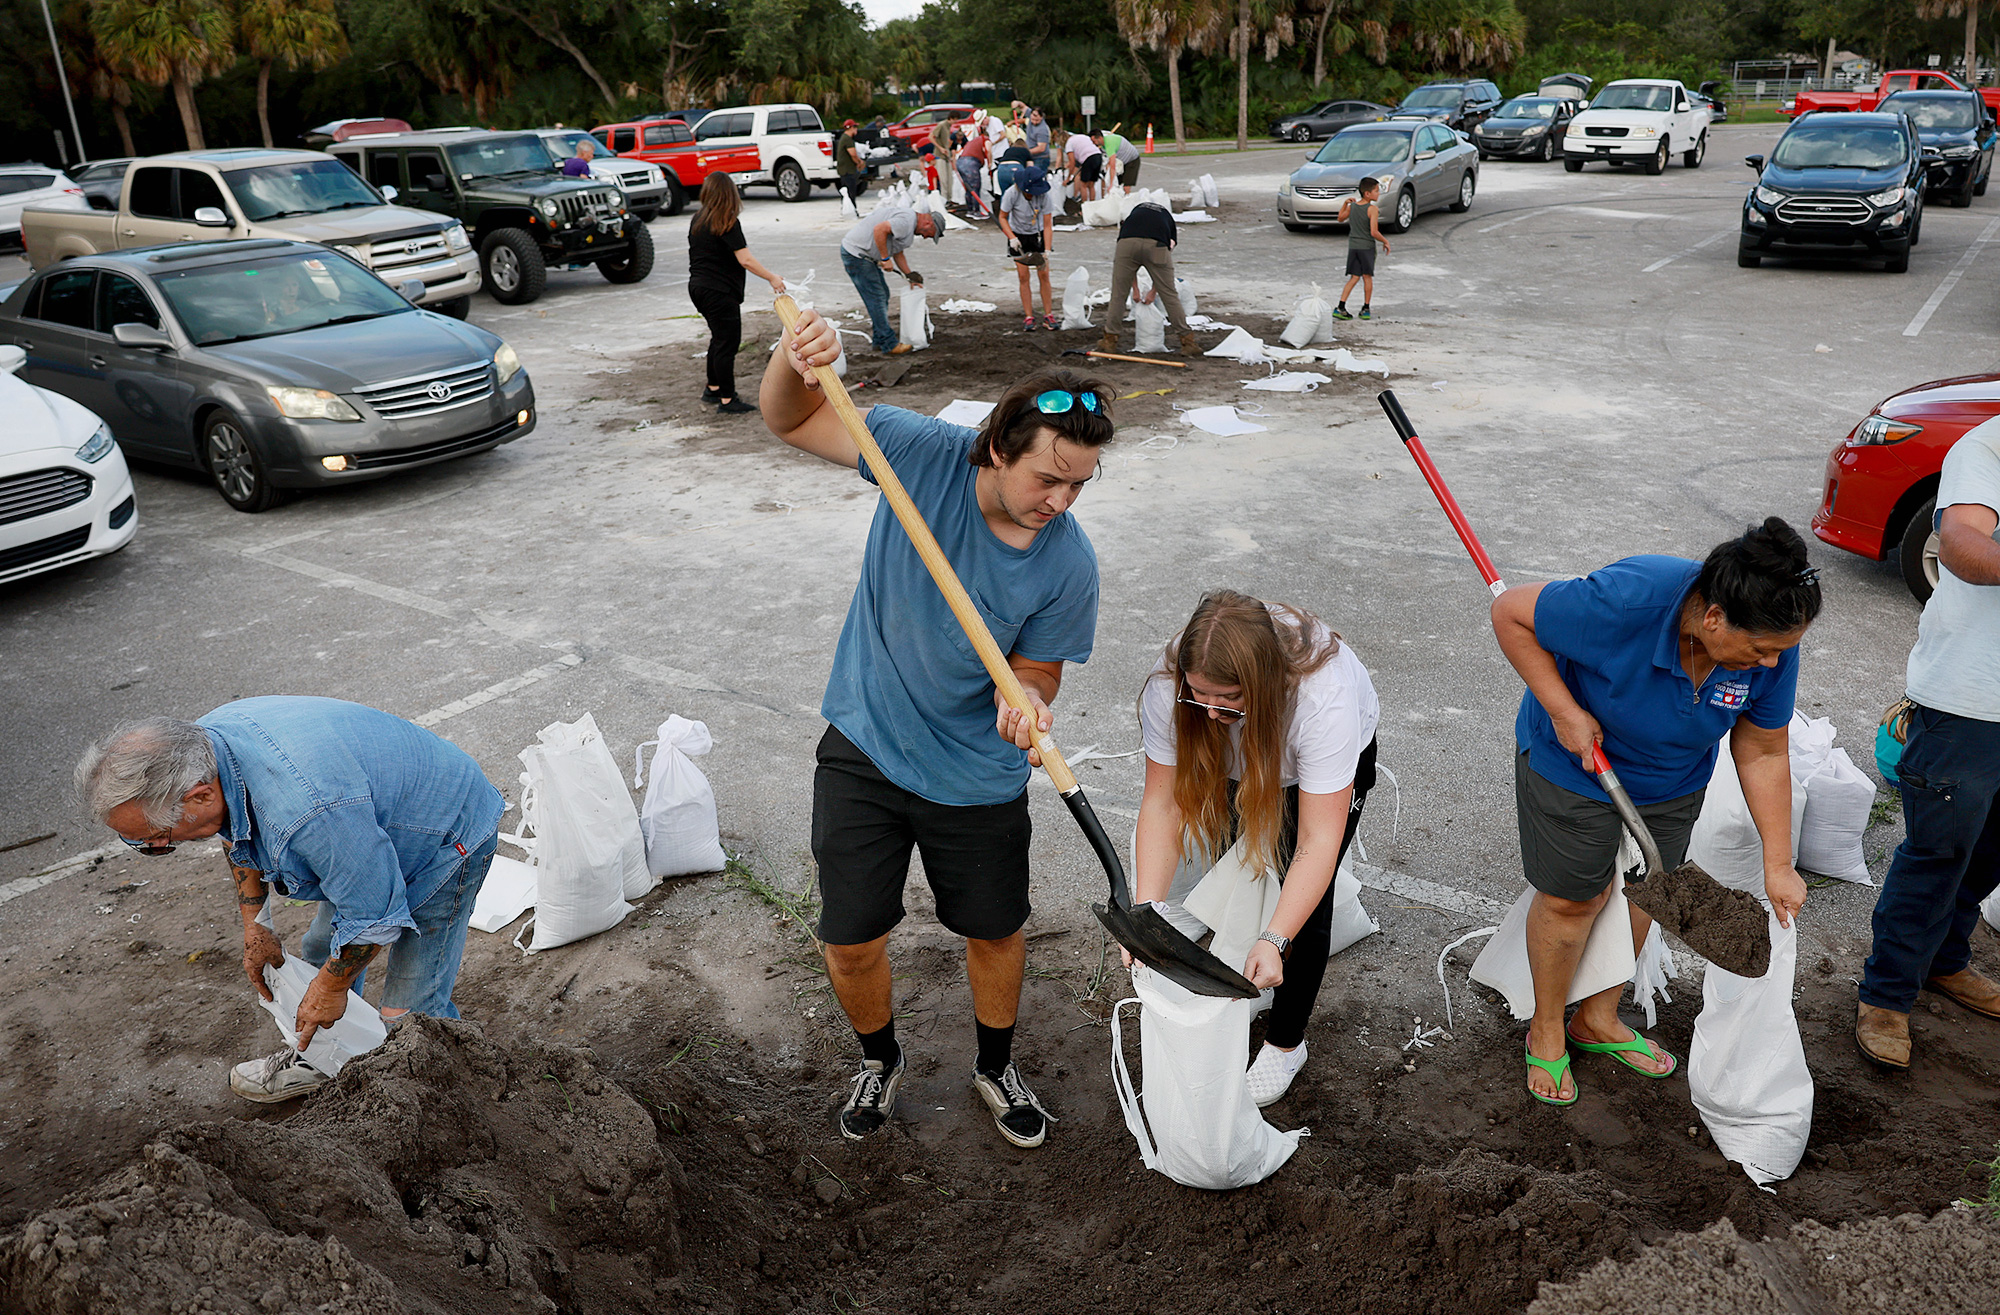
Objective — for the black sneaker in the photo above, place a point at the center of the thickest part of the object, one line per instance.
(874, 1098)
(1019, 1116)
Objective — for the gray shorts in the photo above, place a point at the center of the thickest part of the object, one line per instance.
(1569, 842)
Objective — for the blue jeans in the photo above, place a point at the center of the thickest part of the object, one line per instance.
(1948, 862)
(867, 278)
(423, 964)
(970, 174)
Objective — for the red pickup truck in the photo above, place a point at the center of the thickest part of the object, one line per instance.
(670, 144)
(915, 127)
(1902, 79)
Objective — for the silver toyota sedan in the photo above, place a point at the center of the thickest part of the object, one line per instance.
(1421, 165)
(270, 365)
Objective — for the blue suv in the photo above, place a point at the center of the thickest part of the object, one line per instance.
(1841, 185)
(1960, 127)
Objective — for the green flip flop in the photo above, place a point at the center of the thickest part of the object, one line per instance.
(1555, 1068)
(1638, 1045)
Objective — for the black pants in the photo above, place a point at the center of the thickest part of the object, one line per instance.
(724, 314)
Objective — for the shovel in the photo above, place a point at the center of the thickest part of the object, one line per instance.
(1726, 927)
(1152, 940)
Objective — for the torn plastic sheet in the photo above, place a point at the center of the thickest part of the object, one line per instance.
(1240, 346)
(1203, 321)
(1225, 421)
(961, 411)
(1194, 217)
(1289, 381)
(963, 306)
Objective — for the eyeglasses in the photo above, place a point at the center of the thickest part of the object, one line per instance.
(1221, 713)
(152, 846)
(1056, 401)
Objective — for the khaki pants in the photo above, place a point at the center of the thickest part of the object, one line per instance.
(1131, 255)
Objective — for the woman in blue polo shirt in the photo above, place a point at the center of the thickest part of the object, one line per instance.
(1656, 659)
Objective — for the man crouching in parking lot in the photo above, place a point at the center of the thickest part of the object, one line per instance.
(388, 826)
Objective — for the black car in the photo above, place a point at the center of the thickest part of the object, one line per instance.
(102, 181)
(1959, 127)
(1845, 185)
(1327, 118)
(1525, 128)
(1457, 105)
(1710, 94)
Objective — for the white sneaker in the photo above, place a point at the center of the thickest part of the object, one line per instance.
(1270, 1077)
(275, 1078)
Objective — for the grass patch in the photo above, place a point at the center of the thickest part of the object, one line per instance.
(800, 910)
(1887, 804)
(1988, 1205)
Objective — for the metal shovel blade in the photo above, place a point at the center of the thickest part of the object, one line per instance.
(1166, 949)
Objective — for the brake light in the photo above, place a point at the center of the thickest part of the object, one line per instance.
(826, 148)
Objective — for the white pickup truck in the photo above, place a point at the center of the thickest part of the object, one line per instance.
(1639, 121)
(794, 149)
(206, 196)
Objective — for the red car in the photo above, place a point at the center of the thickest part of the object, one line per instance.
(915, 127)
(1881, 482)
(670, 144)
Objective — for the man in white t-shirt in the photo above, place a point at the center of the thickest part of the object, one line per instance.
(1086, 165)
(1949, 860)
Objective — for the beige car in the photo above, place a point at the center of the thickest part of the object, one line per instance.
(207, 196)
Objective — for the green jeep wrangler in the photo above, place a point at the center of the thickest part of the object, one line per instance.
(509, 192)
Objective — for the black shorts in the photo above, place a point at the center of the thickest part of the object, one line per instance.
(863, 828)
(1128, 172)
(1031, 249)
(1092, 169)
(1569, 842)
(1361, 262)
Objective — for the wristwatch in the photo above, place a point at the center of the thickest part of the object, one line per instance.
(1284, 943)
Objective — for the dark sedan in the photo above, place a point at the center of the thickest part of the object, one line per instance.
(1327, 118)
(270, 365)
(1958, 126)
(1525, 128)
(102, 181)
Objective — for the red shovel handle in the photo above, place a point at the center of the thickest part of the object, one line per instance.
(1408, 433)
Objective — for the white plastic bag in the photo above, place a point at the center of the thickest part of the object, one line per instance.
(1209, 199)
(916, 318)
(1351, 922)
(1747, 1071)
(1288, 381)
(1076, 299)
(1142, 284)
(507, 893)
(586, 847)
(1222, 421)
(1839, 797)
(678, 817)
(1149, 328)
(1239, 346)
(1101, 214)
(359, 1030)
(1304, 327)
(1607, 958)
(1186, 295)
(1725, 841)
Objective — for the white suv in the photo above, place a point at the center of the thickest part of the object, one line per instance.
(794, 150)
(1638, 121)
(35, 185)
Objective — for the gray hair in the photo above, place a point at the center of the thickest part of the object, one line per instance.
(153, 762)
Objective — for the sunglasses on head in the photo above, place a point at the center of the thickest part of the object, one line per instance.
(1056, 401)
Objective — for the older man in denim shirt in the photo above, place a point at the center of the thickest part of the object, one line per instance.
(390, 828)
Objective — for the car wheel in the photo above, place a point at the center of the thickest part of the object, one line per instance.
(1692, 159)
(1406, 210)
(458, 307)
(1962, 198)
(1979, 188)
(1898, 263)
(513, 265)
(1919, 552)
(1467, 184)
(1657, 162)
(234, 465)
(1572, 165)
(791, 181)
(1302, 133)
(1548, 151)
(635, 266)
(1297, 228)
(677, 197)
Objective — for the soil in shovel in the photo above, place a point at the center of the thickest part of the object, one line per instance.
(1727, 927)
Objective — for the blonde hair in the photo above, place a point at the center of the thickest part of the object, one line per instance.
(1264, 650)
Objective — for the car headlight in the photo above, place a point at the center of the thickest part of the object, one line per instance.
(98, 445)
(1769, 195)
(655, 175)
(547, 206)
(354, 254)
(505, 363)
(311, 404)
(1959, 152)
(1645, 132)
(1891, 197)
(1880, 430)
(1534, 130)
(456, 240)
(1285, 188)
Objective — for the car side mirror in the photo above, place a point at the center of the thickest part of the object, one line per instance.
(412, 290)
(209, 216)
(1755, 162)
(1932, 153)
(389, 194)
(1427, 155)
(437, 183)
(140, 335)
(1680, 107)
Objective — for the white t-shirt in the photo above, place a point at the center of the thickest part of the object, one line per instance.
(1080, 147)
(1955, 666)
(1333, 719)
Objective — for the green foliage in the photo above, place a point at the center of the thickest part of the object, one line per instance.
(1608, 52)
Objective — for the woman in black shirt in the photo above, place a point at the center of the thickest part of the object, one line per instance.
(717, 257)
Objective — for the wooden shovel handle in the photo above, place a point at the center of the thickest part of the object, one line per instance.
(1137, 360)
(935, 561)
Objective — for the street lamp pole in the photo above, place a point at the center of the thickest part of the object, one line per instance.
(62, 80)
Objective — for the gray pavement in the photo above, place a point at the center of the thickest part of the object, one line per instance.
(1586, 362)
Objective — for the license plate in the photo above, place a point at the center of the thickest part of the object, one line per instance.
(1602, 150)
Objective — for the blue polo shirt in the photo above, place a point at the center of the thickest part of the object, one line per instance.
(1616, 639)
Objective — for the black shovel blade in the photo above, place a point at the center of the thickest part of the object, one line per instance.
(1165, 949)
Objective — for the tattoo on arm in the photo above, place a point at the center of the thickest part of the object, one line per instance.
(250, 887)
(347, 965)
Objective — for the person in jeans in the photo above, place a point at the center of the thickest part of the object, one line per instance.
(1949, 860)
(385, 824)
(920, 750)
(1027, 217)
(718, 255)
(971, 165)
(877, 243)
(1364, 229)
(1258, 722)
(1146, 240)
(1655, 660)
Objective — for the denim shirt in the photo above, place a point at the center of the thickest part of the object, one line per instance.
(337, 802)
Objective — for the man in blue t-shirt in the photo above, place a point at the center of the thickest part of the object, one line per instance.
(921, 750)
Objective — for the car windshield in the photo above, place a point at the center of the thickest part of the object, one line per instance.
(1635, 97)
(564, 145)
(1364, 148)
(1839, 146)
(496, 157)
(1953, 115)
(311, 187)
(1429, 97)
(288, 293)
(1527, 109)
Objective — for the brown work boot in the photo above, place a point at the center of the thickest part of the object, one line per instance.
(1978, 993)
(1883, 1035)
(1107, 342)
(1188, 345)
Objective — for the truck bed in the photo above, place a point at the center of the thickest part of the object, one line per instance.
(41, 227)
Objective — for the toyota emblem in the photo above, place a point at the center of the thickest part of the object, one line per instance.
(412, 247)
(439, 391)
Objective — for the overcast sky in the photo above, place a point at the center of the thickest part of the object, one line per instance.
(881, 11)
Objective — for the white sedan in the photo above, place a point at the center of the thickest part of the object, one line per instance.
(65, 494)
(23, 185)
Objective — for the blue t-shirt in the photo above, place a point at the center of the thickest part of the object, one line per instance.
(907, 687)
(1616, 639)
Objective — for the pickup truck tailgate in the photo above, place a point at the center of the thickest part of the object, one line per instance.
(52, 235)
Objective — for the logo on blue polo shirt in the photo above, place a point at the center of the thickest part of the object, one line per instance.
(1729, 694)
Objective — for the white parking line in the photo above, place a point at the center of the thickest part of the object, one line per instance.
(497, 690)
(342, 580)
(56, 872)
(1916, 326)
(1668, 260)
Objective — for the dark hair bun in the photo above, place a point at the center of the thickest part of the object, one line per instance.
(1763, 580)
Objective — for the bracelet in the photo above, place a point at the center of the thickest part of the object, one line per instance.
(1284, 943)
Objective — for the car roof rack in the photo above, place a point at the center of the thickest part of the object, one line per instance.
(193, 250)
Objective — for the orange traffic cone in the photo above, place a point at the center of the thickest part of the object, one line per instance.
(1149, 139)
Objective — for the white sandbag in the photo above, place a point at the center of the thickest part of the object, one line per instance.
(1142, 287)
(1839, 798)
(1187, 298)
(1101, 214)
(967, 306)
(1222, 421)
(507, 893)
(1351, 922)
(1076, 299)
(1196, 197)
(1342, 359)
(1989, 909)
(585, 845)
(1149, 328)
(359, 1030)
(1725, 841)
(1288, 381)
(1304, 325)
(915, 318)
(1239, 346)
(1747, 1071)
(678, 817)
(1209, 197)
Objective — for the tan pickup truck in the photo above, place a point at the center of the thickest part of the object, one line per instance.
(206, 196)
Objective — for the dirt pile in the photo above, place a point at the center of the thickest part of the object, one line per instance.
(445, 1173)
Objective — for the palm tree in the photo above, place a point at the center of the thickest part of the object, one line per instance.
(296, 33)
(1349, 23)
(1462, 34)
(1174, 25)
(91, 74)
(1254, 18)
(1969, 9)
(167, 43)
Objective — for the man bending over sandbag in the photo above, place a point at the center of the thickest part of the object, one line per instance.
(389, 827)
